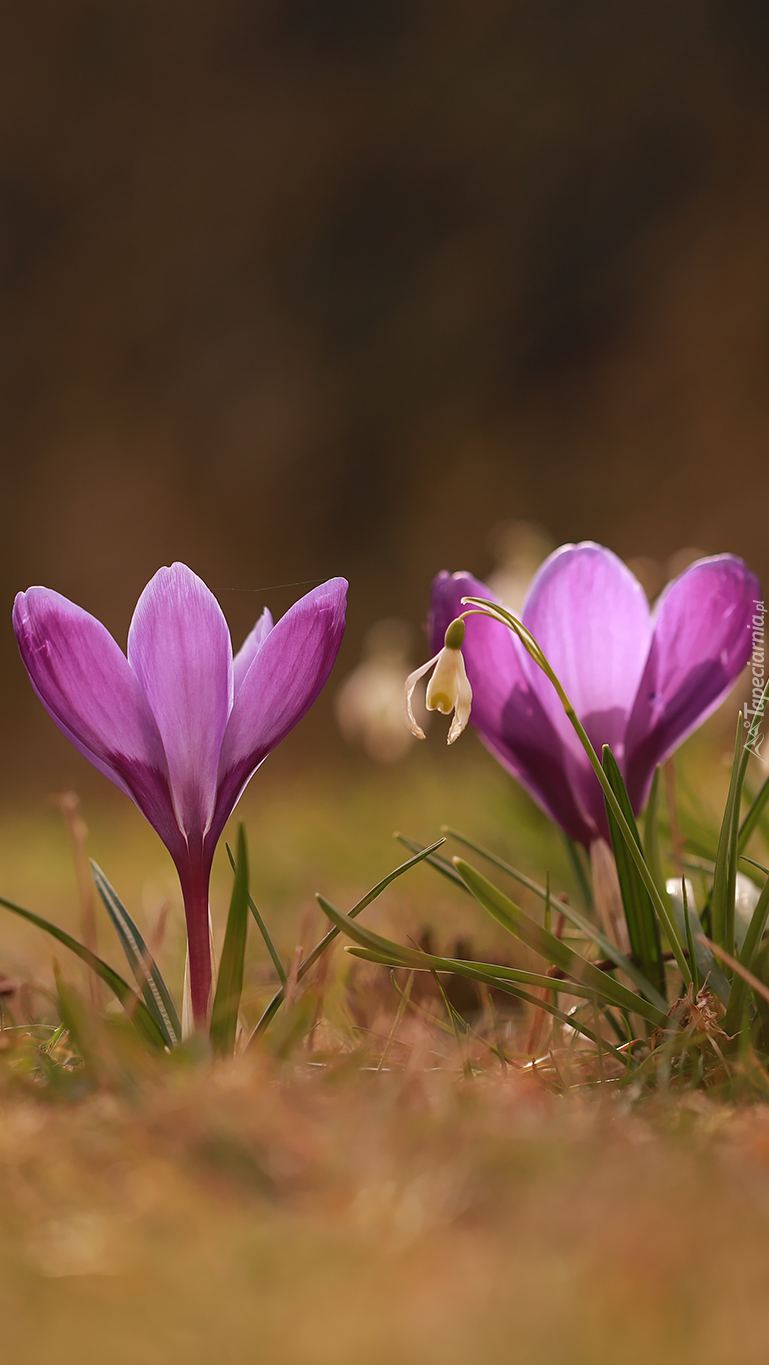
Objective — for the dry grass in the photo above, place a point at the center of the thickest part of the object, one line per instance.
(319, 1217)
(308, 1209)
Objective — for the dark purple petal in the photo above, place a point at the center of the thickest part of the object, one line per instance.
(247, 652)
(509, 716)
(86, 685)
(179, 648)
(701, 642)
(590, 616)
(285, 676)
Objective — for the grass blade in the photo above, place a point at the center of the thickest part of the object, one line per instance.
(487, 973)
(154, 991)
(752, 745)
(385, 950)
(440, 864)
(580, 875)
(229, 985)
(725, 874)
(553, 949)
(642, 923)
(753, 816)
(403, 1005)
(328, 939)
(263, 930)
(651, 836)
(132, 1003)
(591, 931)
(754, 982)
(750, 947)
(686, 913)
(410, 957)
(689, 940)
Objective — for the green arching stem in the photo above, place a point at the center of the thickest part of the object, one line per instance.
(505, 618)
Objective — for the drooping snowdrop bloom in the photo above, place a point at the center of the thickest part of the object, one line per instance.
(448, 689)
(640, 681)
(179, 725)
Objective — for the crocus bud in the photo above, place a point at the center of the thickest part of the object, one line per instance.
(448, 689)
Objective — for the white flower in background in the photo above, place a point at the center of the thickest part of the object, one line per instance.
(369, 704)
(519, 548)
(746, 895)
(448, 689)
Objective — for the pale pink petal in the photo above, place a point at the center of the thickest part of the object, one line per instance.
(88, 688)
(179, 648)
(248, 650)
(508, 714)
(286, 675)
(703, 631)
(590, 616)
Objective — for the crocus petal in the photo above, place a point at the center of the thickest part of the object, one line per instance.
(701, 642)
(179, 648)
(247, 652)
(590, 616)
(285, 676)
(86, 685)
(408, 696)
(506, 711)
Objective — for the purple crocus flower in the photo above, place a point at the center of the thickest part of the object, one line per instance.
(639, 680)
(179, 725)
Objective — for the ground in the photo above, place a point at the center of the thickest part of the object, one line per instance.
(313, 1219)
(309, 1205)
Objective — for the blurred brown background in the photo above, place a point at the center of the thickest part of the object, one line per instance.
(294, 288)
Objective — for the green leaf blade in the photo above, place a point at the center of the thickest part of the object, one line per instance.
(440, 864)
(553, 949)
(642, 922)
(753, 816)
(132, 1003)
(592, 932)
(262, 927)
(155, 993)
(750, 949)
(382, 951)
(229, 985)
(725, 874)
(328, 939)
(705, 965)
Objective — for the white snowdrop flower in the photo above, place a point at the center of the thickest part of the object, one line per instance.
(448, 689)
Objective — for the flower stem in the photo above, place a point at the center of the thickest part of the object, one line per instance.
(194, 878)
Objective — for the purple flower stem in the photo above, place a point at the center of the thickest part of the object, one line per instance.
(195, 878)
